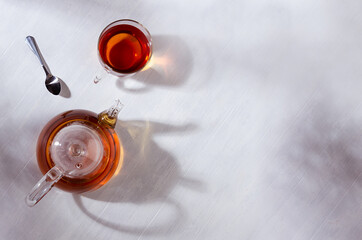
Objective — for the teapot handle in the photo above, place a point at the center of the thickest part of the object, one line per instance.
(44, 185)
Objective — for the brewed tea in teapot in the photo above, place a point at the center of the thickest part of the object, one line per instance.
(78, 151)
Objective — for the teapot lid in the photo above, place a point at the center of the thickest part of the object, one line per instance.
(77, 148)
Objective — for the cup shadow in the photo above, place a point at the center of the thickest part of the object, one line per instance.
(170, 66)
(148, 174)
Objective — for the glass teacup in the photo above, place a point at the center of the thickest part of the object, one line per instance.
(124, 47)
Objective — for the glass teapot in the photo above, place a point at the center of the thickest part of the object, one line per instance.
(78, 151)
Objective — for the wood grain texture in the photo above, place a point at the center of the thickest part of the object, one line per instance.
(247, 125)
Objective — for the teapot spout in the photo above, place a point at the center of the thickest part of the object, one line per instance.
(109, 116)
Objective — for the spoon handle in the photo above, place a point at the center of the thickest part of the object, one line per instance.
(35, 49)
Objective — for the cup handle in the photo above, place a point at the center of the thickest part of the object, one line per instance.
(44, 185)
(100, 75)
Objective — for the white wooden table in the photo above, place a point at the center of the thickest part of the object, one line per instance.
(248, 125)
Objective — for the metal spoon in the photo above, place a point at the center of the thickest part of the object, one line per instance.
(52, 83)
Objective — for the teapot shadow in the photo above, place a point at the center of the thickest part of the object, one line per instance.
(148, 175)
(170, 66)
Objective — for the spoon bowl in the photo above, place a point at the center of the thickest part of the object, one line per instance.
(52, 83)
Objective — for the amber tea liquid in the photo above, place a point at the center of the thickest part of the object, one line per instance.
(124, 48)
(111, 151)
